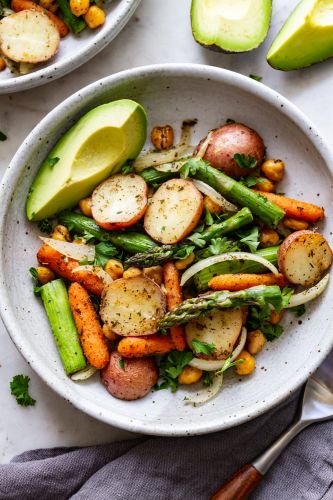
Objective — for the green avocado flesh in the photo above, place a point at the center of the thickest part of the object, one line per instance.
(230, 25)
(306, 37)
(93, 149)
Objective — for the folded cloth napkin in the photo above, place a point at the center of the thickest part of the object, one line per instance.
(154, 468)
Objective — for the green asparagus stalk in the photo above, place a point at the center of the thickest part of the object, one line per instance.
(269, 213)
(202, 278)
(128, 241)
(155, 177)
(163, 253)
(199, 306)
(56, 303)
(75, 24)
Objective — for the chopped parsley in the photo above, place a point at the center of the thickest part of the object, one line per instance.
(298, 310)
(127, 169)
(244, 161)
(103, 252)
(34, 273)
(249, 237)
(184, 252)
(255, 77)
(206, 379)
(250, 181)
(3, 136)
(203, 347)
(171, 366)
(45, 226)
(52, 161)
(19, 387)
(228, 364)
(259, 319)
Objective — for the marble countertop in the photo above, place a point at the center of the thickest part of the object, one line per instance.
(159, 32)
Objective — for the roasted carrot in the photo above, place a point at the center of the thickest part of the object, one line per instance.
(234, 282)
(18, 5)
(90, 331)
(171, 278)
(64, 266)
(137, 347)
(295, 208)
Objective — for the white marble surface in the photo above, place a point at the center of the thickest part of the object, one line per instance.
(159, 32)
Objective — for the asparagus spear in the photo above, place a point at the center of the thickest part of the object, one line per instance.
(269, 213)
(163, 253)
(75, 24)
(202, 278)
(56, 303)
(130, 242)
(199, 306)
(156, 177)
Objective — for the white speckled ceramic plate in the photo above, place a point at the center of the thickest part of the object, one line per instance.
(171, 93)
(74, 50)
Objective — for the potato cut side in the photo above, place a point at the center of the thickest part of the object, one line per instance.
(174, 211)
(120, 201)
(29, 37)
(133, 306)
(304, 256)
(221, 328)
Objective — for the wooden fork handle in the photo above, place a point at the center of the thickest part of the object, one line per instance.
(240, 485)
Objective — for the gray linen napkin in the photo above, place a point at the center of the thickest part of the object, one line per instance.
(177, 468)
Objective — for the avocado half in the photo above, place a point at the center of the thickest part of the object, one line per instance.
(93, 149)
(305, 38)
(230, 25)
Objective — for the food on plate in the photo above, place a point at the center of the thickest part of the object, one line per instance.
(30, 31)
(305, 38)
(230, 26)
(90, 151)
(168, 271)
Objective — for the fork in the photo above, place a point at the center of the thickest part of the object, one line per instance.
(316, 406)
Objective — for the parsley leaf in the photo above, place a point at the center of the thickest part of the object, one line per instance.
(228, 364)
(217, 247)
(245, 161)
(249, 237)
(250, 180)
(52, 161)
(286, 295)
(19, 387)
(45, 226)
(3, 136)
(189, 169)
(259, 319)
(184, 252)
(298, 310)
(203, 347)
(197, 239)
(127, 169)
(171, 366)
(255, 77)
(103, 252)
(206, 380)
(34, 273)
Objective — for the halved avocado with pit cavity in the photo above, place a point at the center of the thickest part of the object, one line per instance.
(230, 25)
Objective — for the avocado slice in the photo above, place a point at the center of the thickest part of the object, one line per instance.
(93, 149)
(230, 25)
(305, 38)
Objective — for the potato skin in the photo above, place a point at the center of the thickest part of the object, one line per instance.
(133, 381)
(228, 140)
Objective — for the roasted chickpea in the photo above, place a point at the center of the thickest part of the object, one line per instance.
(131, 272)
(265, 185)
(276, 317)
(114, 268)
(95, 17)
(273, 169)
(294, 224)
(78, 242)
(255, 341)
(162, 137)
(44, 275)
(109, 334)
(184, 263)
(269, 237)
(190, 375)
(212, 206)
(248, 364)
(85, 206)
(50, 5)
(3, 64)
(79, 7)
(155, 273)
(61, 233)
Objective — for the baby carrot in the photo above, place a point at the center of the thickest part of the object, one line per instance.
(171, 278)
(137, 347)
(295, 208)
(235, 282)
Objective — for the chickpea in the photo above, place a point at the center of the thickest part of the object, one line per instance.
(269, 237)
(248, 364)
(108, 333)
(50, 5)
(212, 206)
(273, 169)
(3, 64)
(78, 242)
(85, 206)
(184, 263)
(294, 224)
(61, 233)
(265, 185)
(255, 341)
(132, 272)
(95, 17)
(44, 275)
(79, 7)
(276, 317)
(162, 137)
(114, 268)
(190, 375)
(155, 273)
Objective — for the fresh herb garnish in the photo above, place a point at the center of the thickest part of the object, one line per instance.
(286, 296)
(249, 237)
(34, 273)
(250, 180)
(190, 168)
(184, 252)
(45, 226)
(244, 161)
(259, 319)
(3, 136)
(228, 364)
(209, 221)
(171, 366)
(206, 379)
(103, 252)
(203, 347)
(255, 77)
(298, 310)
(122, 364)
(217, 247)
(127, 169)
(52, 161)
(19, 387)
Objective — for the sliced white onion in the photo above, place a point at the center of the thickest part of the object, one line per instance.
(209, 365)
(97, 270)
(215, 196)
(202, 264)
(205, 395)
(168, 156)
(309, 294)
(74, 251)
(203, 148)
(176, 165)
(84, 374)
